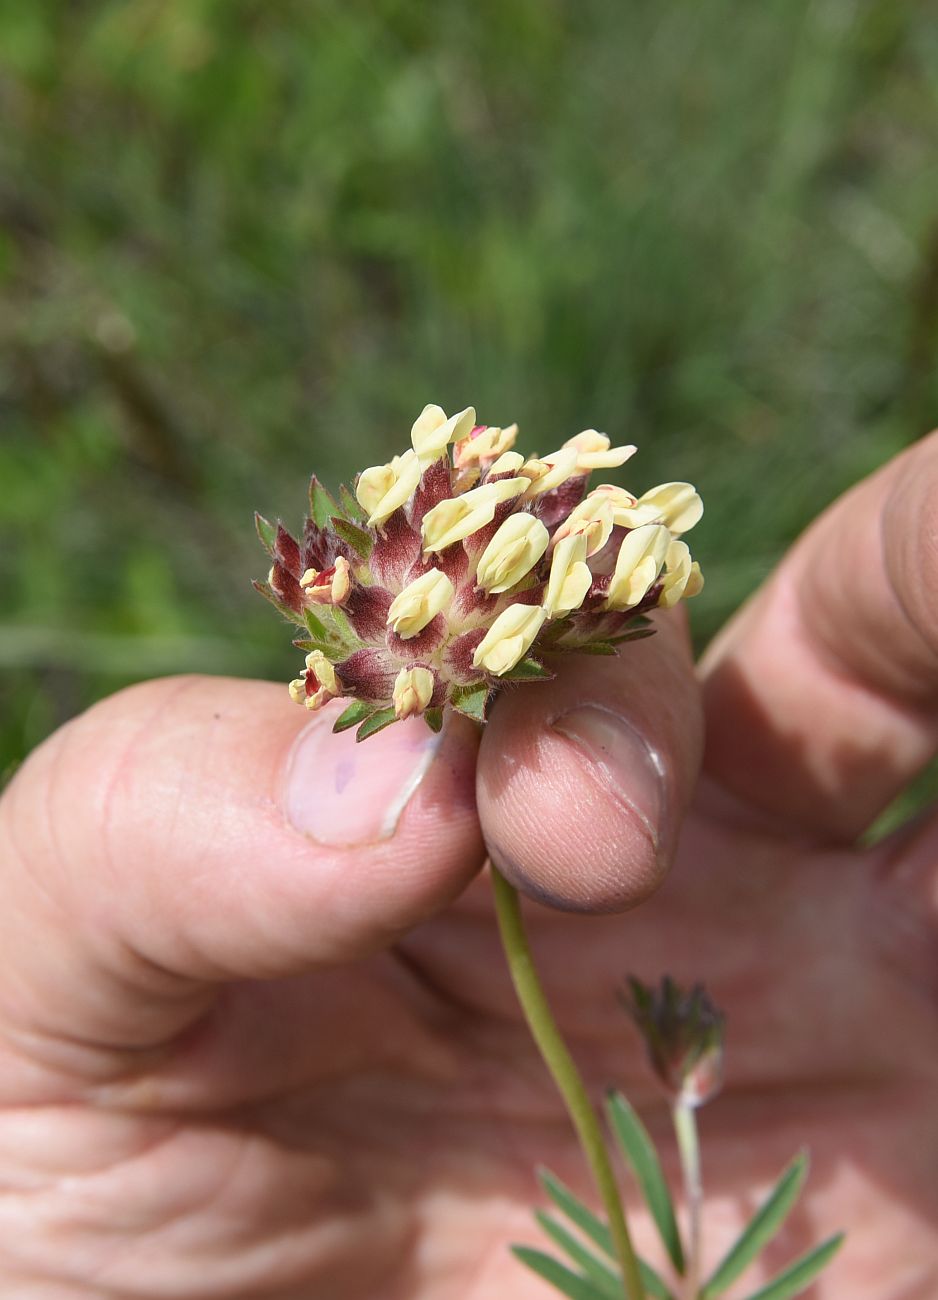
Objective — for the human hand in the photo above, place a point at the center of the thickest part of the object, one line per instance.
(256, 1035)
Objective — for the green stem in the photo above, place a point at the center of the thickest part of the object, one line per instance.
(565, 1074)
(685, 1126)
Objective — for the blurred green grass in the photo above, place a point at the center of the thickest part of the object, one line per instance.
(241, 240)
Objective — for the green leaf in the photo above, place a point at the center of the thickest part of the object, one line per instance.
(640, 1153)
(798, 1276)
(306, 644)
(595, 1230)
(316, 626)
(434, 719)
(527, 670)
(377, 722)
(350, 506)
(322, 504)
(266, 531)
(358, 711)
(360, 541)
(591, 648)
(471, 700)
(760, 1229)
(557, 1274)
(638, 634)
(600, 1274)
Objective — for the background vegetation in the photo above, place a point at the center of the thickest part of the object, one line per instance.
(240, 239)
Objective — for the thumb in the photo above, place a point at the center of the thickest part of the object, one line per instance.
(196, 830)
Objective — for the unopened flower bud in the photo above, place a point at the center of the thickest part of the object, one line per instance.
(593, 451)
(512, 553)
(384, 488)
(318, 684)
(683, 1032)
(413, 690)
(509, 638)
(548, 472)
(457, 517)
(682, 576)
(570, 578)
(678, 505)
(640, 559)
(486, 442)
(419, 603)
(432, 431)
(328, 586)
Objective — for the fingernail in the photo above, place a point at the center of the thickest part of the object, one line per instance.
(622, 761)
(344, 793)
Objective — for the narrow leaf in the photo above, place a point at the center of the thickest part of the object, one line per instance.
(358, 711)
(316, 626)
(377, 722)
(590, 648)
(799, 1276)
(527, 670)
(599, 1273)
(308, 643)
(596, 1231)
(434, 719)
(471, 700)
(322, 504)
(557, 1274)
(360, 541)
(638, 635)
(760, 1229)
(266, 531)
(642, 1158)
(350, 506)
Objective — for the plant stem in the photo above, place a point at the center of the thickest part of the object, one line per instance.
(560, 1063)
(685, 1126)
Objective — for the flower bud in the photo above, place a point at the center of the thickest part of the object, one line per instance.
(678, 505)
(318, 684)
(486, 442)
(683, 1033)
(419, 603)
(512, 553)
(593, 517)
(457, 517)
(508, 463)
(548, 472)
(383, 488)
(638, 564)
(413, 690)
(594, 452)
(432, 431)
(509, 638)
(682, 576)
(570, 578)
(328, 586)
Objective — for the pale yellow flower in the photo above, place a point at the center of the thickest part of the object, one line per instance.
(512, 553)
(419, 603)
(509, 462)
(487, 445)
(509, 638)
(593, 451)
(456, 517)
(413, 690)
(432, 431)
(638, 564)
(318, 685)
(329, 586)
(678, 505)
(570, 578)
(594, 517)
(383, 488)
(682, 576)
(549, 472)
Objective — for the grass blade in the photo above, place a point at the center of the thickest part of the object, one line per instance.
(760, 1229)
(557, 1274)
(798, 1276)
(593, 1268)
(642, 1158)
(596, 1231)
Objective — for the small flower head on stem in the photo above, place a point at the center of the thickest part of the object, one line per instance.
(683, 1032)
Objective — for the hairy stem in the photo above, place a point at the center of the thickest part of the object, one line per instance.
(685, 1125)
(564, 1073)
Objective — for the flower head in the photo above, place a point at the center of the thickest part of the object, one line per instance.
(451, 568)
(683, 1032)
